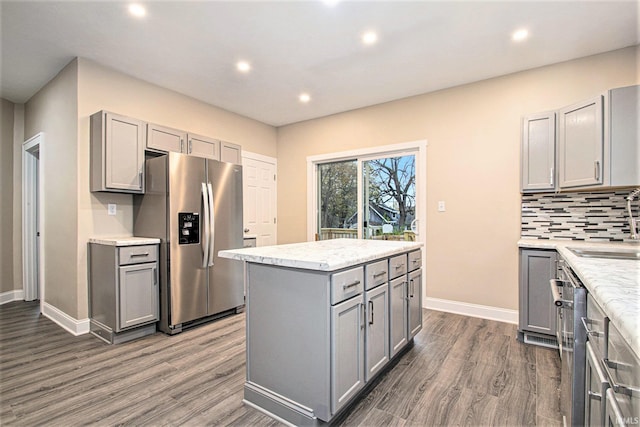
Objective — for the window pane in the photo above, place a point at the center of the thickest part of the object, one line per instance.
(389, 186)
(338, 200)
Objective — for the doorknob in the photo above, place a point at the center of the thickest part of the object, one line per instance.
(246, 230)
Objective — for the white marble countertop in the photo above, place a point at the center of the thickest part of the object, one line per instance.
(124, 241)
(614, 283)
(325, 255)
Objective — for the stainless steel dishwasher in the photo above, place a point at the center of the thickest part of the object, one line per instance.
(570, 297)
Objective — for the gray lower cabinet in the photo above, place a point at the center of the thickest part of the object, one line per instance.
(537, 312)
(315, 339)
(596, 385)
(117, 153)
(123, 291)
(376, 330)
(414, 311)
(347, 356)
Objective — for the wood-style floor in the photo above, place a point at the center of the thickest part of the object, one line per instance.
(461, 371)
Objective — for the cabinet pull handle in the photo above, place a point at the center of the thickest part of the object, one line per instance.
(181, 145)
(155, 276)
(398, 266)
(140, 254)
(594, 395)
(597, 170)
(382, 273)
(140, 178)
(190, 146)
(411, 285)
(364, 314)
(619, 388)
(590, 332)
(371, 310)
(551, 177)
(350, 285)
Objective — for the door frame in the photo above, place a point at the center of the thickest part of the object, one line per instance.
(33, 190)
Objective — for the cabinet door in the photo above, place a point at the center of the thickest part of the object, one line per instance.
(230, 153)
(121, 139)
(538, 152)
(398, 314)
(347, 357)
(581, 144)
(537, 311)
(202, 146)
(377, 330)
(137, 294)
(166, 139)
(415, 302)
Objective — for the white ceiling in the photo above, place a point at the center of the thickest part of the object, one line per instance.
(303, 46)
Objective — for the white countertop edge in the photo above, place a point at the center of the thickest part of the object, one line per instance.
(327, 255)
(124, 241)
(614, 284)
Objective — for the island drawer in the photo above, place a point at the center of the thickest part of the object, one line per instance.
(138, 254)
(415, 260)
(346, 284)
(397, 266)
(376, 274)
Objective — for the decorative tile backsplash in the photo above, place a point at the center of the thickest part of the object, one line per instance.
(577, 216)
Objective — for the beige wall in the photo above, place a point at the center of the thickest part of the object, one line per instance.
(7, 282)
(100, 88)
(473, 163)
(53, 110)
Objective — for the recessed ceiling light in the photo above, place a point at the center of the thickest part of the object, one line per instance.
(137, 10)
(369, 37)
(243, 66)
(304, 97)
(331, 3)
(520, 35)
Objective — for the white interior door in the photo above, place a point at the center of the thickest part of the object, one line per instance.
(259, 198)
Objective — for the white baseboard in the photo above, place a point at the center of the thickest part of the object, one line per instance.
(15, 295)
(70, 324)
(473, 310)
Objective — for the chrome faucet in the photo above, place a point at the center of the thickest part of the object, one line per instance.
(633, 227)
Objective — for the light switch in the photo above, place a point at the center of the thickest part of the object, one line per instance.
(441, 207)
(111, 209)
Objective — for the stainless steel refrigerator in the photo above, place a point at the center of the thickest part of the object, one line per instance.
(194, 206)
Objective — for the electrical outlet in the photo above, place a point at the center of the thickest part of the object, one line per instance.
(441, 206)
(111, 209)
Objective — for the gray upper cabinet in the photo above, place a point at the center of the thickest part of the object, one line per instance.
(622, 139)
(165, 139)
(202, 146)
(581, 144)
(117, 153)
(230, 153)
(538, 153)
(591, 144)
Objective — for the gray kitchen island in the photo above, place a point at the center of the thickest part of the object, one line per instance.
(324, 319)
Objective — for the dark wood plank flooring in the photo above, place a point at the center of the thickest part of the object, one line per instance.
(460, 371)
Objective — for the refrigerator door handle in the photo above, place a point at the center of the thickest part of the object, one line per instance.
(212, 226)
(205, 224)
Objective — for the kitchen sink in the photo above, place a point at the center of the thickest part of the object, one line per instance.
(607, 253)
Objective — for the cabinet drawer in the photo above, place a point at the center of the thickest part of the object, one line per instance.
(376, 274)
(415, 260)
(346, 284)
(397, 266)
(595, 323)
(138, 254)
